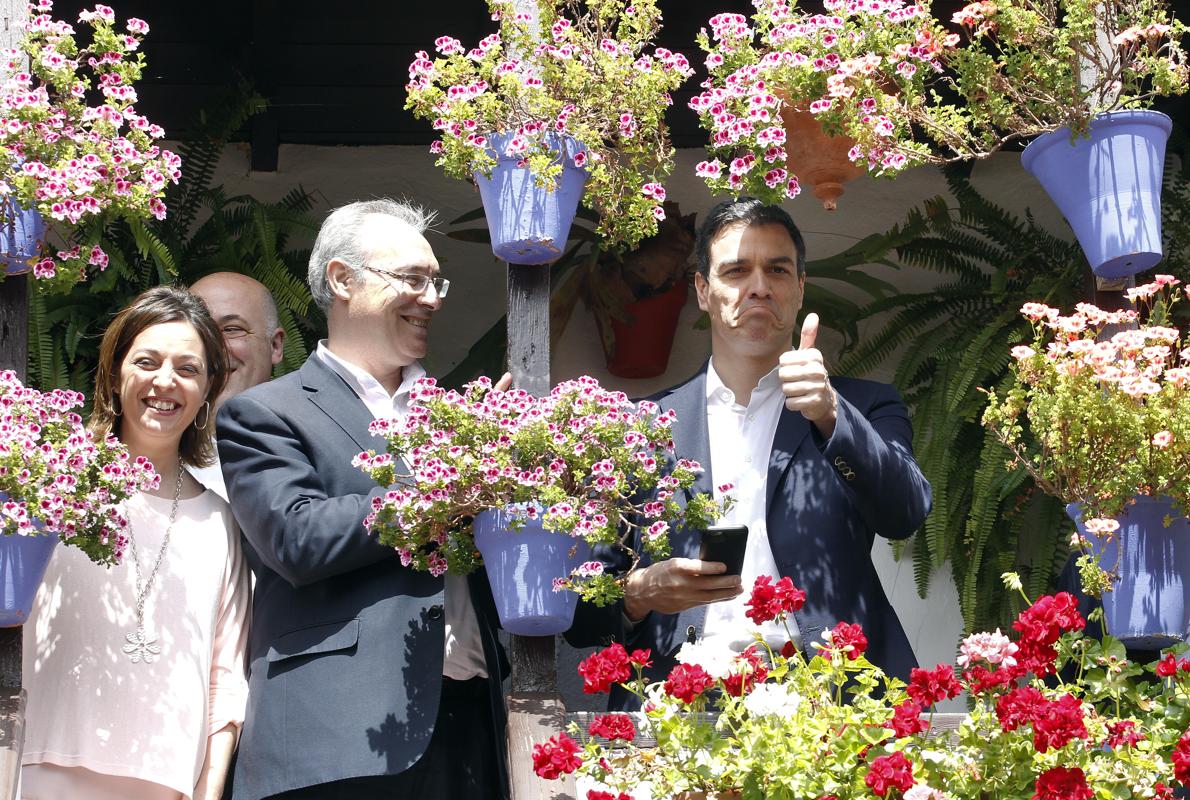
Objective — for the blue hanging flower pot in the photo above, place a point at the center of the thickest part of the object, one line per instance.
(529, 224)
(1108, 186)
(21, 235)
(1149, 607)
(522, 565)
(23, 560)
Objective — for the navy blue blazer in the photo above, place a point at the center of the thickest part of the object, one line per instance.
(826, 502)
(345, 647)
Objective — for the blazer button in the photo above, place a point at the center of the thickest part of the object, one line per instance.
(691, 634)
(435, 612)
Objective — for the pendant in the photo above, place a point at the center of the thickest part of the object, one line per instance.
(141, 647)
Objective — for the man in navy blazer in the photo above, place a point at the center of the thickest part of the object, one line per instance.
(366, 679)
(821, 465)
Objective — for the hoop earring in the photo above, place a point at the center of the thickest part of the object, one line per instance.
(117, 409)
(206, 406)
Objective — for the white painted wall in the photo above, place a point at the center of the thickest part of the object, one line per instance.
(341, 174)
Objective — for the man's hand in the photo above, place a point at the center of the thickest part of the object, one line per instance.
(677, 584)
(804, 380)
(504, 383)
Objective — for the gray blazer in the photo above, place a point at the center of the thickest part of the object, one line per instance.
(345, 648)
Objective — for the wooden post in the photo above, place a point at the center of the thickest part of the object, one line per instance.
(535, 708)
(14, 350)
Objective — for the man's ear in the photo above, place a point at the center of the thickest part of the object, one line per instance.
(278, 346)
(700, 290)
(339, 279)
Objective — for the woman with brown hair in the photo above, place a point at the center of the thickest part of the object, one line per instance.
(136, 674)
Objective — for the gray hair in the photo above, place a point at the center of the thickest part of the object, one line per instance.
(339, 238)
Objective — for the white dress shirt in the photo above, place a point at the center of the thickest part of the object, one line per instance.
(741, 439)
(210, 476)
(463, 657)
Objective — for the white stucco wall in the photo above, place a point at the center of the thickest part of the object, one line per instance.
(341, 174)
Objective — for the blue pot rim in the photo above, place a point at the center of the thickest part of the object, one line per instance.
(1074, 510)
(1107, 119)
(559, 142)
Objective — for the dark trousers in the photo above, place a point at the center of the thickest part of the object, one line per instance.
(459, 762)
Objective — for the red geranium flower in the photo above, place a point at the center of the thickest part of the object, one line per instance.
(608, 666)
(613, 726)
(890, 772)
(1058, 723)
(770, 601)
(980, 679)
(907, 720)
(558, 756)
(748, 670)
(1019, 707)
(1062, 783)
(930, 686)
(687, 681)
(1181, 759)
(641, 658)
(1048, 618)
(1123, 732)
(595, 794)
(845, 634)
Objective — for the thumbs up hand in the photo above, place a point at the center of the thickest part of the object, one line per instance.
(805, 382)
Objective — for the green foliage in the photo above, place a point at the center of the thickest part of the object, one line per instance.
(206, 231)
(951, 343)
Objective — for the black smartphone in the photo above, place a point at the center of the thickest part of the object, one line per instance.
(726, 544)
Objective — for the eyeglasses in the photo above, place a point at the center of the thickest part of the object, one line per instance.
(417, 282)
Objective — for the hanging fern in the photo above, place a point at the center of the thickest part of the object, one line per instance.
(950, 342)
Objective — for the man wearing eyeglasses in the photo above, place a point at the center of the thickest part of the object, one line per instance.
(245, 312)
(366, 679)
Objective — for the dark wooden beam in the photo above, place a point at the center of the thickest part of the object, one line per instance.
(265, 61)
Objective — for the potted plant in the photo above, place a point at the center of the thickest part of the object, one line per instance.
(1077, 74)
(1109, 415)
(526, 486)
(1054, 715)
(841, 82)
(553, 109)
(637, 296)
(77, 165)
(57, 482)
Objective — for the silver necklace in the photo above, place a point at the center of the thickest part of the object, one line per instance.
(141, 646)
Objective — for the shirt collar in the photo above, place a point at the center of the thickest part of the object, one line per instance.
(719, 395)
(361, 381)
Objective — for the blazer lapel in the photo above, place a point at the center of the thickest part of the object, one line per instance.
(792, 429)
(691, 439)
(335, 398)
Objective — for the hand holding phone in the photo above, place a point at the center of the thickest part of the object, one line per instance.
(725, 544)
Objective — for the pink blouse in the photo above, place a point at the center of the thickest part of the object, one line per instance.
(89, 705)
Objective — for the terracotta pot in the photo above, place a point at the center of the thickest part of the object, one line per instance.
(642, 346)
(818, 160)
